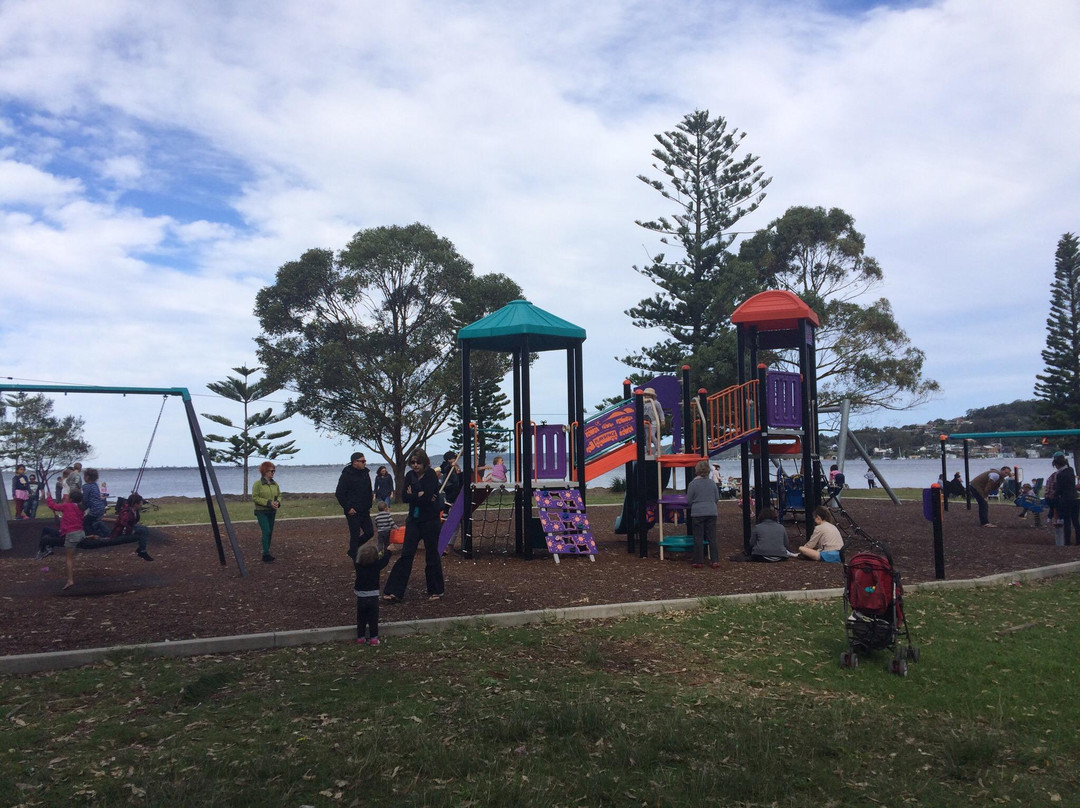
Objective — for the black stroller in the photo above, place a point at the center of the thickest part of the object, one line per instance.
(874, 597)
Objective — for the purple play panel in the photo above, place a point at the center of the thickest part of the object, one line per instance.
(550, 452)
(784, 402)
(565, 523)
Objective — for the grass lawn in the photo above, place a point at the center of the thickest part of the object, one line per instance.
(733, 705)
(190, 511)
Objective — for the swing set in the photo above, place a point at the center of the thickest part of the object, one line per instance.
(211, 488)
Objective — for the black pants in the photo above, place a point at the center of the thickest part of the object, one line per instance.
(984, 509)
(367, 617)
(360, 530)
(415, 532)
(1070, 516)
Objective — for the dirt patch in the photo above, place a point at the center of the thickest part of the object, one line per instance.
(185, 593)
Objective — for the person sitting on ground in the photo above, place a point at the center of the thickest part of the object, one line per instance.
(71, 529)
(496, 471)
(127, 524)
(983, 486)
(769, 539)
(93, 505)
(825, 542)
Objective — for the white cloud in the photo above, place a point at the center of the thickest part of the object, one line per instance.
(250, 134)
(22, 184)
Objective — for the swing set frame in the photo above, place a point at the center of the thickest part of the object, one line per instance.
(211, 488)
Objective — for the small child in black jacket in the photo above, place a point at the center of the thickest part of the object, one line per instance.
(370, 561)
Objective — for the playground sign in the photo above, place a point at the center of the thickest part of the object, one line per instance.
(609, 429)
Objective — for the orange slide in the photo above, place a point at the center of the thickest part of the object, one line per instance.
(627, 453)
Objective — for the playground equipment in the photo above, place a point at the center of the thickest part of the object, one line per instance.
(206, 470)
(540, 453)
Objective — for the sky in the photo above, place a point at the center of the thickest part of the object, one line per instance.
(160, 161)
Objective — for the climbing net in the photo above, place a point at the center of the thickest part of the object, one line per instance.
(493, 518)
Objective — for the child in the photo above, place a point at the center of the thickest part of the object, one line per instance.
(384, 523)
(93, 504)
(369, 563)
(71, 521)
(35, 497)
(127, 524)
(497, 473)
(1027, 501)
(20, 491)
(653, 415)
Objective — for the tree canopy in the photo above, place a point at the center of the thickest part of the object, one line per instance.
(30, 434)
(863, 354)
(711, 190)
(1058, 386)
(366, 338)
(250, 439)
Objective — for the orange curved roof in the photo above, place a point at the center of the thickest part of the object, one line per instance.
(774, 310)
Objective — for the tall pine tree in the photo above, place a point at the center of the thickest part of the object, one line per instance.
(1058, 388)
(700, 287)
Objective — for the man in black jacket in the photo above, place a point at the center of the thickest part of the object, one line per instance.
(355, 497)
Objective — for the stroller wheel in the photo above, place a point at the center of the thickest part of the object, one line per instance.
(899, 667)
(913, 653)
(848, 659)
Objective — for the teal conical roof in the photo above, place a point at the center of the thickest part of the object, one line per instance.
(518, 321)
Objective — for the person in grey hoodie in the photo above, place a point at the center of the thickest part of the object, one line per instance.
(701, 498)
(769, 539)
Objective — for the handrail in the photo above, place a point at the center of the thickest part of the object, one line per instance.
(698, 418)
(733, 414)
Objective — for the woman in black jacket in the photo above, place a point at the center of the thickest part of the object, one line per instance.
(421, 493)
(1065, 502)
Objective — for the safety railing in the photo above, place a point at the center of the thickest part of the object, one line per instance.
(732, 415)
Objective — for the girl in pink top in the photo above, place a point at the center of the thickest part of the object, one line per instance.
(71, 528)
(497, 473)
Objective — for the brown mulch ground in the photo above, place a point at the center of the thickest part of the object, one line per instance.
(119, 599)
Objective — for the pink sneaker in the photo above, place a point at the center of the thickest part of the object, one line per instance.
(373, 641)
(361, 641)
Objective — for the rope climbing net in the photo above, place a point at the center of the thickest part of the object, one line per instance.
(493, 518)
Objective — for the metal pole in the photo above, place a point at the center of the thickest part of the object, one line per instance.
(641, 526)
(944, 473)
(939, 540)
(468, 473)
(204, 457)
(967, 475)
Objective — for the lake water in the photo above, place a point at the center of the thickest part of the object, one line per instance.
(184, 482)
